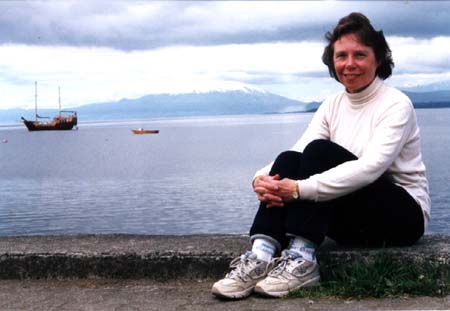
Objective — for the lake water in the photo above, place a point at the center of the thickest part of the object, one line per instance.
(193, 177)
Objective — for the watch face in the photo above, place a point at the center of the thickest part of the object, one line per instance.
(295, 194)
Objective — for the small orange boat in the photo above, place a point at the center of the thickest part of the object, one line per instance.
(142, 131)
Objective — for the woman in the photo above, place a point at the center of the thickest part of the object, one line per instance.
(356, 175)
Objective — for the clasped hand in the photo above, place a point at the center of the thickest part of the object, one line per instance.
(273, 190)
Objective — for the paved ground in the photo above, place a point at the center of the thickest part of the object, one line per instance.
(88, 294)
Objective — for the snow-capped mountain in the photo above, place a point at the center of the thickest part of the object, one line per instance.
(217, 102)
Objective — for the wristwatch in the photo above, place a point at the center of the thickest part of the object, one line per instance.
(295, 194)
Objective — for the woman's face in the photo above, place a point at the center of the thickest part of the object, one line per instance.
(354, 62)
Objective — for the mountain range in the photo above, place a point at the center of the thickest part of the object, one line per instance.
(231, 102)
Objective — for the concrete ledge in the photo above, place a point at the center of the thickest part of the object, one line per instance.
(166, 257)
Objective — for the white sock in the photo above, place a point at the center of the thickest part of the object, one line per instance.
(263, 249)
(304, 247)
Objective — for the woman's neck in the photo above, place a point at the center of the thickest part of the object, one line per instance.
(366, 94)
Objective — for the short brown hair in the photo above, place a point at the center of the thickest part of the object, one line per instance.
(359, 24)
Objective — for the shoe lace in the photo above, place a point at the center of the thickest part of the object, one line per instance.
(241, 266)
(280, 263)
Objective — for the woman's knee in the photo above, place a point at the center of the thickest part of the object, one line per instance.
(288, 156)
(325, 149)
(321, 155)
(320, 146)
(286, 164)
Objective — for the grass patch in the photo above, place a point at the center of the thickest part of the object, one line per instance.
(380, 277)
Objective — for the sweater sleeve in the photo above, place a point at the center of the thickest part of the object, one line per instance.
(391, 132)
(317, 129)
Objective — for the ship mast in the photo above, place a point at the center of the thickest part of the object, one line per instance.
(59, 100)
(35, 101)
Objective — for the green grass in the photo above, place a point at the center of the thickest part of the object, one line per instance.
(384, 276)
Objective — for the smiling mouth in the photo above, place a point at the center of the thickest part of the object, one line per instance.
(351, 75)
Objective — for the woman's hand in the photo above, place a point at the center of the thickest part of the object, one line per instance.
(273, 191)
(266, 188)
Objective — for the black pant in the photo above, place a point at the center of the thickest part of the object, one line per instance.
(379, 214)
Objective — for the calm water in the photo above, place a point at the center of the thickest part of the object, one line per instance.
(193, 177)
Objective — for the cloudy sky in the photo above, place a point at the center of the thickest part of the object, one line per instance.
(100, 51)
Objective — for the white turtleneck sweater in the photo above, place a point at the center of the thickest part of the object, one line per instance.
(379, 126)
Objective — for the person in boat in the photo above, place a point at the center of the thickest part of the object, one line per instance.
(355, 175)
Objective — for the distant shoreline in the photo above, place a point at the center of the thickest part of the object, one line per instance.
(12, 124)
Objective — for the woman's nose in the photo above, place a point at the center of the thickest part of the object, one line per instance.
(350, 62)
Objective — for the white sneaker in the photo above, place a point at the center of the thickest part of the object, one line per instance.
(240, 282)
(291, 272)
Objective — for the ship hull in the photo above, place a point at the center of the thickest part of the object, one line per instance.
(55, 125)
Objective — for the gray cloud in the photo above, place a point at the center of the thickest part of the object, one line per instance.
(421, 19)
(270, 77)
(147, 25)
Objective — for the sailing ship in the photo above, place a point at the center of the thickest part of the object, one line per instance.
(65, 120)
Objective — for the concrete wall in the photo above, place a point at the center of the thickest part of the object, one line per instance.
(167, 257)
